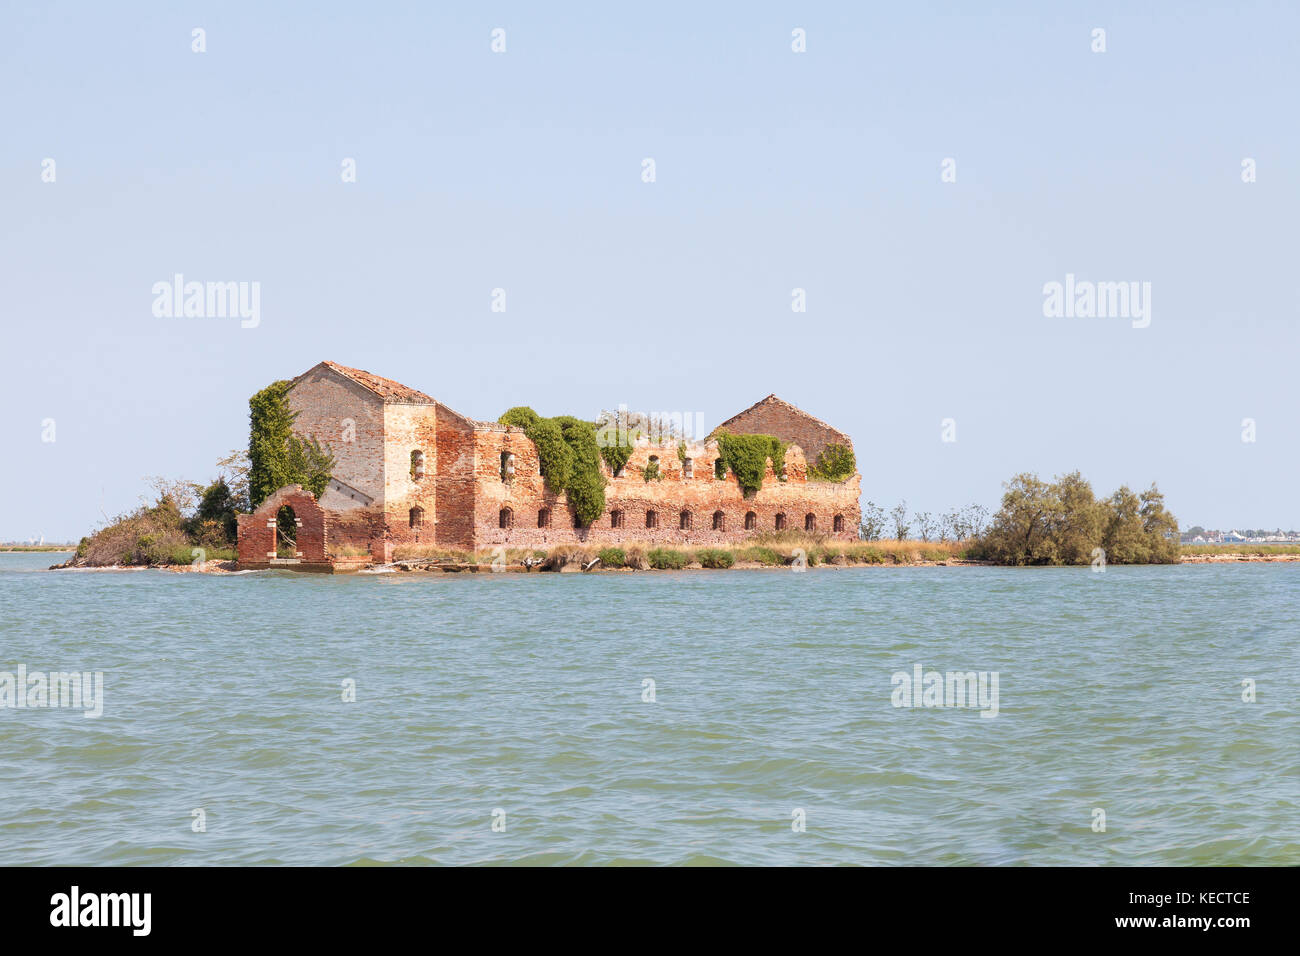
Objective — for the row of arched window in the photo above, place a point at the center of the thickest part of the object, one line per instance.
(685, 520)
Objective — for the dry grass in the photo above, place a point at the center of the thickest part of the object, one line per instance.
(771, 550)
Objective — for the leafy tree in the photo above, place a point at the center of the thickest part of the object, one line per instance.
(872, 523)
(1125, 540)
(218, 505)
(899, 517)
(1021, 531)
(1063, 522)
(1079, 520)
(276, 456)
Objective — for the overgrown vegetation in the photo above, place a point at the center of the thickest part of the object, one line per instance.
(667, 559)
(277, 457)
(183, 518)
(612, 557)
(746, 456)
(1063, 522)
(715, 557)
(835, 463)
(569, 457)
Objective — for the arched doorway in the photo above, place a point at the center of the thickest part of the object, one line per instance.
(286, 533)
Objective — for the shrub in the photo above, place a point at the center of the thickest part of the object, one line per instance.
(715, 557)
(666, 559)
(762, 555)
(612, 557)
(834, 463)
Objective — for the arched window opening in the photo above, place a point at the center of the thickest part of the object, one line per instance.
(810, 522)
(544, 518)
(685, 520)
(719, 521)
(505, 518)
(417, 517)
(616, 518)
(837, 523)
(507, 466)
(780, 522)
(417, 465)
(651, 519)
(751, 521)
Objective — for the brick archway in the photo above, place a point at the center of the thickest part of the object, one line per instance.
(257, 537)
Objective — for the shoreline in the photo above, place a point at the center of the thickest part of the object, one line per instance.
(420, 567)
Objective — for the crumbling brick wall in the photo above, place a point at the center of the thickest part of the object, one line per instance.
(701, 496)
(772, 416)
(257, 532)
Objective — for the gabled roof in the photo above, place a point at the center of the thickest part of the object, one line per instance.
(385, 388)
(389, 391)
(772, 401)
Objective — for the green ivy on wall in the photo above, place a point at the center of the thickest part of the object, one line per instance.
(835, 463)
(569, 457)
(746, 456)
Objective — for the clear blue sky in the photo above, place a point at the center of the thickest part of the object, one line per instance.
(775, 170)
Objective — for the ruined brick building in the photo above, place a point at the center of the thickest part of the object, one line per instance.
(408, 470)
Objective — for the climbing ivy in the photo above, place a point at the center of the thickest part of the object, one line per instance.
(276, 456)
(835, 463)
(569, 458)
(745, 456)
(616, 455)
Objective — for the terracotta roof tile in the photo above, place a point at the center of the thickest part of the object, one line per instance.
(385, 388)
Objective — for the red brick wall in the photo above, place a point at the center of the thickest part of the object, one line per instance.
(702, 495)
(454, 503)
(788, 424)
(257, 537)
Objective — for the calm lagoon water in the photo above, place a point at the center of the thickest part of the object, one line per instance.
(1120, 691)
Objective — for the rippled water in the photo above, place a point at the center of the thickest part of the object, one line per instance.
(523, 693)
